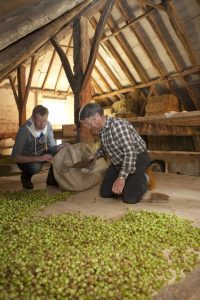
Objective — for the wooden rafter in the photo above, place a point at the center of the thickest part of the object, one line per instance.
(96, 85)
(147, 84)
(109, 72)
(20, 19)
(30, 77)
(116, 56)
(106, 84)
(61, 67)
(23, 89)
(129, 53)
(14, 90)
(65, 63)
(130, 23)
(154, 5)
(191, 93)
(96, 40)
(167, 48)
(140, 39)
(121, 63)
(181, 33)
(49, 69)
(20, 51)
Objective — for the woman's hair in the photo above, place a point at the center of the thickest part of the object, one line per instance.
(40, 110)
(89, 110)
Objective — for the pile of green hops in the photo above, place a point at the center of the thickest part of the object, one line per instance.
(88, 258)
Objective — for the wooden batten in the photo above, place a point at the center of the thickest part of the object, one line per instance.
(20, 19)
(20, 51)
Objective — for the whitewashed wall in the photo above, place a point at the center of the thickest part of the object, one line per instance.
(9, 112)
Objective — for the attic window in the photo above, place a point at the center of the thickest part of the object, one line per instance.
(59, 111)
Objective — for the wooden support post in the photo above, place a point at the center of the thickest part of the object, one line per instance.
(86, 92)
(21, 78)
(80, 80)
(23, 90)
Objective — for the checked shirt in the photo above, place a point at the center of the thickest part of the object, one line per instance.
(121, 142)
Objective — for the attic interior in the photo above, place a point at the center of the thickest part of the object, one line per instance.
(138, 59)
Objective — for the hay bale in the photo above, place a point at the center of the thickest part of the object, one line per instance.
(6, 143)
(108, 111)
(132, 104)
(158, 105)
(138, 102)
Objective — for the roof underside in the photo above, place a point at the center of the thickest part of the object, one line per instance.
(143, 46)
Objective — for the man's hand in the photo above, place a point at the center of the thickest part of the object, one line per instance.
(118, 186)
(45, 157)
(61, 146)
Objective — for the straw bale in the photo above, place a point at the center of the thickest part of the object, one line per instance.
(108, 111)
(161, 104)
(131, 104)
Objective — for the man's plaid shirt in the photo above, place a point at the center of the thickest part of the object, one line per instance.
(121, 142)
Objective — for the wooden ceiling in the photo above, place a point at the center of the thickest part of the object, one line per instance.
(151, 46)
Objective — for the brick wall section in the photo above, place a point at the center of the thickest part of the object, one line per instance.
(9, 112)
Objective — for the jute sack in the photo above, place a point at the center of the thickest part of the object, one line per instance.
(71, 178)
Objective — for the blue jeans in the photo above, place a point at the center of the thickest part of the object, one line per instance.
(31, 168)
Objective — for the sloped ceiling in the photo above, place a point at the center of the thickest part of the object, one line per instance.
(152, 45)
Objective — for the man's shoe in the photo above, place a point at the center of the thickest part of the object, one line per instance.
(26, 182)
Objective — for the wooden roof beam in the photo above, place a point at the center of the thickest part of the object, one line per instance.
(97, 39)
(109, 72)
(140, 39)
(147, 84)
(154, 5)
(159, 35)
(107, 85)
(65, 63)
(21, 50)
(117, 31)
(61, 67)
(117, 57)
(191, 93)
(180, 32)
(130, 54)
(49, 69)
(22, 20)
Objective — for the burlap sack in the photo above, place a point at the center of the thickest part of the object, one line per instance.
(70, 178)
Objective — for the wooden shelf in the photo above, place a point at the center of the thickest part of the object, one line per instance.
(191, 118)
(173, 124)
